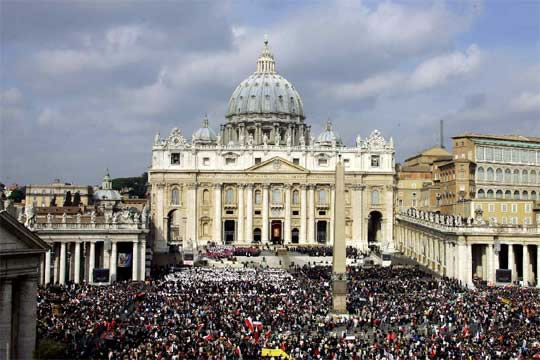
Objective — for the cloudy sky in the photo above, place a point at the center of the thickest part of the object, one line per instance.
(85, 85)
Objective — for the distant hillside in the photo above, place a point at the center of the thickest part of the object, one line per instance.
(137, 185)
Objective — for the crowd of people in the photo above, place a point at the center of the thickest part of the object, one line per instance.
(227, 252)
(324, 250)
(205, 313)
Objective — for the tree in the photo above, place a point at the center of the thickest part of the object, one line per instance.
(67, 201)
(18, 195)
(53, 201)
(77, 199)
(137, 184)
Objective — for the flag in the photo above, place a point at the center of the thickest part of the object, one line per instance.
(249, 324)
(238, 352)
(267, 334)
(201, 325)
(257, 325)
(229, 343)
(256, 337)
(207, 337)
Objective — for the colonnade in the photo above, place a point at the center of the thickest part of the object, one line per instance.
(76, 260)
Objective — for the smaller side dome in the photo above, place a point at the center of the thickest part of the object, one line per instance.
(106, 193)
(328, 137)
(204, 135)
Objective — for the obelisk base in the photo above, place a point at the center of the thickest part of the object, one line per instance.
(339, 296)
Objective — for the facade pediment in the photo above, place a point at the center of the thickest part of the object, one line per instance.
(277, 165)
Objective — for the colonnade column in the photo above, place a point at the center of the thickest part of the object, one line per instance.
(77, 270)
(538, 266)
(311, 214)
(135, 262)
(265, 219)
(142, 275)
(493, 262)
(217, 213)
(287, 226)
(47, 271)
(512, 262)
(526, 265)
(241, 227)
(249, 213)
(62, 276)
(303, 214)
(26, 336)
(332, 213)
(92, 262)
(112, 260)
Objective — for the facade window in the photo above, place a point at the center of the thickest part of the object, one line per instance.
(257, 160)
(532, 156)
(491, 208)
(258, 197)
(504, 221)
(205, 228)
(375, 160)
(528, 208)
(175, 159)
(504, 208)
(175, 197)
(516, 177)
(527, 220)
(206, 197)
(481, 194)
(375, 197)
(507, 176)
(508, 194)
(400, 202)
(323, 162)
(507, 155)
(206, 161)
(524, 156)
(490, 194)
(229, 196)
(322, 197)
(296, 161)
(480, 153)
(296, 197)
(497, 154)
(525, 177)
(533, 195)
(525, 195)
(276, 196)
(499, 194)
(532, 178)
(499, 175)
(230, 161)
(490, 175)
(516, 195)
(480, 174)
(489, 154)
(515, 155)
(514, 208)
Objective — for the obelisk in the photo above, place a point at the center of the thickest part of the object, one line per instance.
(339, 269)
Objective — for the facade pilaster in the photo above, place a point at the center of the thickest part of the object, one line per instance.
(332, 213)
(287, 227)
(62, 276)
(538, 266)
(303, 215)
(389, 204)
(26, 336)
(77, 270)
(217, 214)
(47, 271)
(526, 265)
(142, 274)
(92, 262)
(135, 262)
(112, 262)
(249, 213)
(265, 218)
(512, 262)
(192, 214)
(311, 215)
(241, 228)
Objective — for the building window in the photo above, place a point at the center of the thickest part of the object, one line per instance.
(491, 208)
(516, 177)
(497, 154)
(229, 196)
(175, 197)
(525, 177)
(480, 173)
(206, 197)
(504, 208)
(258, 197)
(206, 161)
(504, 220)
(489, 154)
(490, 194)
(296, 197)
(322, 197)
(230, 161)
(514, 208)
(507, 155)
(276, 196)
(524, 156)
(499, 194)
(296, 161)
(499, 175)
(515, 155)
(507, 194)
(175, 159)
(525, 195)
(490, 175)
(528, 208)
(323, 162)
(507, 176)
(527, 221)
(516, 195)
(481, 194)
(296, 212)
(533, 195)
(375, 197)
(346, 162)
(375, 160)
(532, 178)
(257, 161)
(480, 153)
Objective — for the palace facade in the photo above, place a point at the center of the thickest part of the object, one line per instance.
(262, 178)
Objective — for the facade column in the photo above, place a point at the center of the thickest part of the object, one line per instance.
(464, 258)
(512, 262)
(526, 265)
(493, 262)
(241, 228)
(332, 213)
(6, 304)
(92, 262)
(47, 272)
(389, 204)
(26, 337)
(265, 218)
(249, 213)
(112, 262)
(62, 276)
(311, 214)
(287, 227)
(135, 262)
(217, 214)
(538, 266)
(142, 266)
(192, 215)
(77, 270)
(303, 215)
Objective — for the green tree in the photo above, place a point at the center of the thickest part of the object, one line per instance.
(67, 201)
(18, 195)
(137, 184)
(77, 199)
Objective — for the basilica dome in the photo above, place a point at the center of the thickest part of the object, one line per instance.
(329, 136)
(265, 92)
(204, 134)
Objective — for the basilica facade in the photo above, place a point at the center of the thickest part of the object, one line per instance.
(263, 178)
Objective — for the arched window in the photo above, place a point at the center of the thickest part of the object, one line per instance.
(206, 197)
(205, 228)
(276, 196)
(480, 173)
(532, 178)
(347, 197)
(507, 176)
(481, 194)
(375, 197)
(499, 194)
(229, 196)
(516, 177)
(525, 195)
(490, 174)
(525, 177)
(175, 197)
(533, 195)
(499, 175)
(322, 196)
(295, 197)
(490, 194)
(516, 195)
(258, 197)
(508, 194)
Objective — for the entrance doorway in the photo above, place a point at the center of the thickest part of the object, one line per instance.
(375, 229)
(321, 231)
(229, 231)
(276, 237)
(295, 236)
(257, 235)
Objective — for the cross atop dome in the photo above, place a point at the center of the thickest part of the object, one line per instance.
(266, 63)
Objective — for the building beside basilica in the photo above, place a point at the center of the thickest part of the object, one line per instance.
(264, 179)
